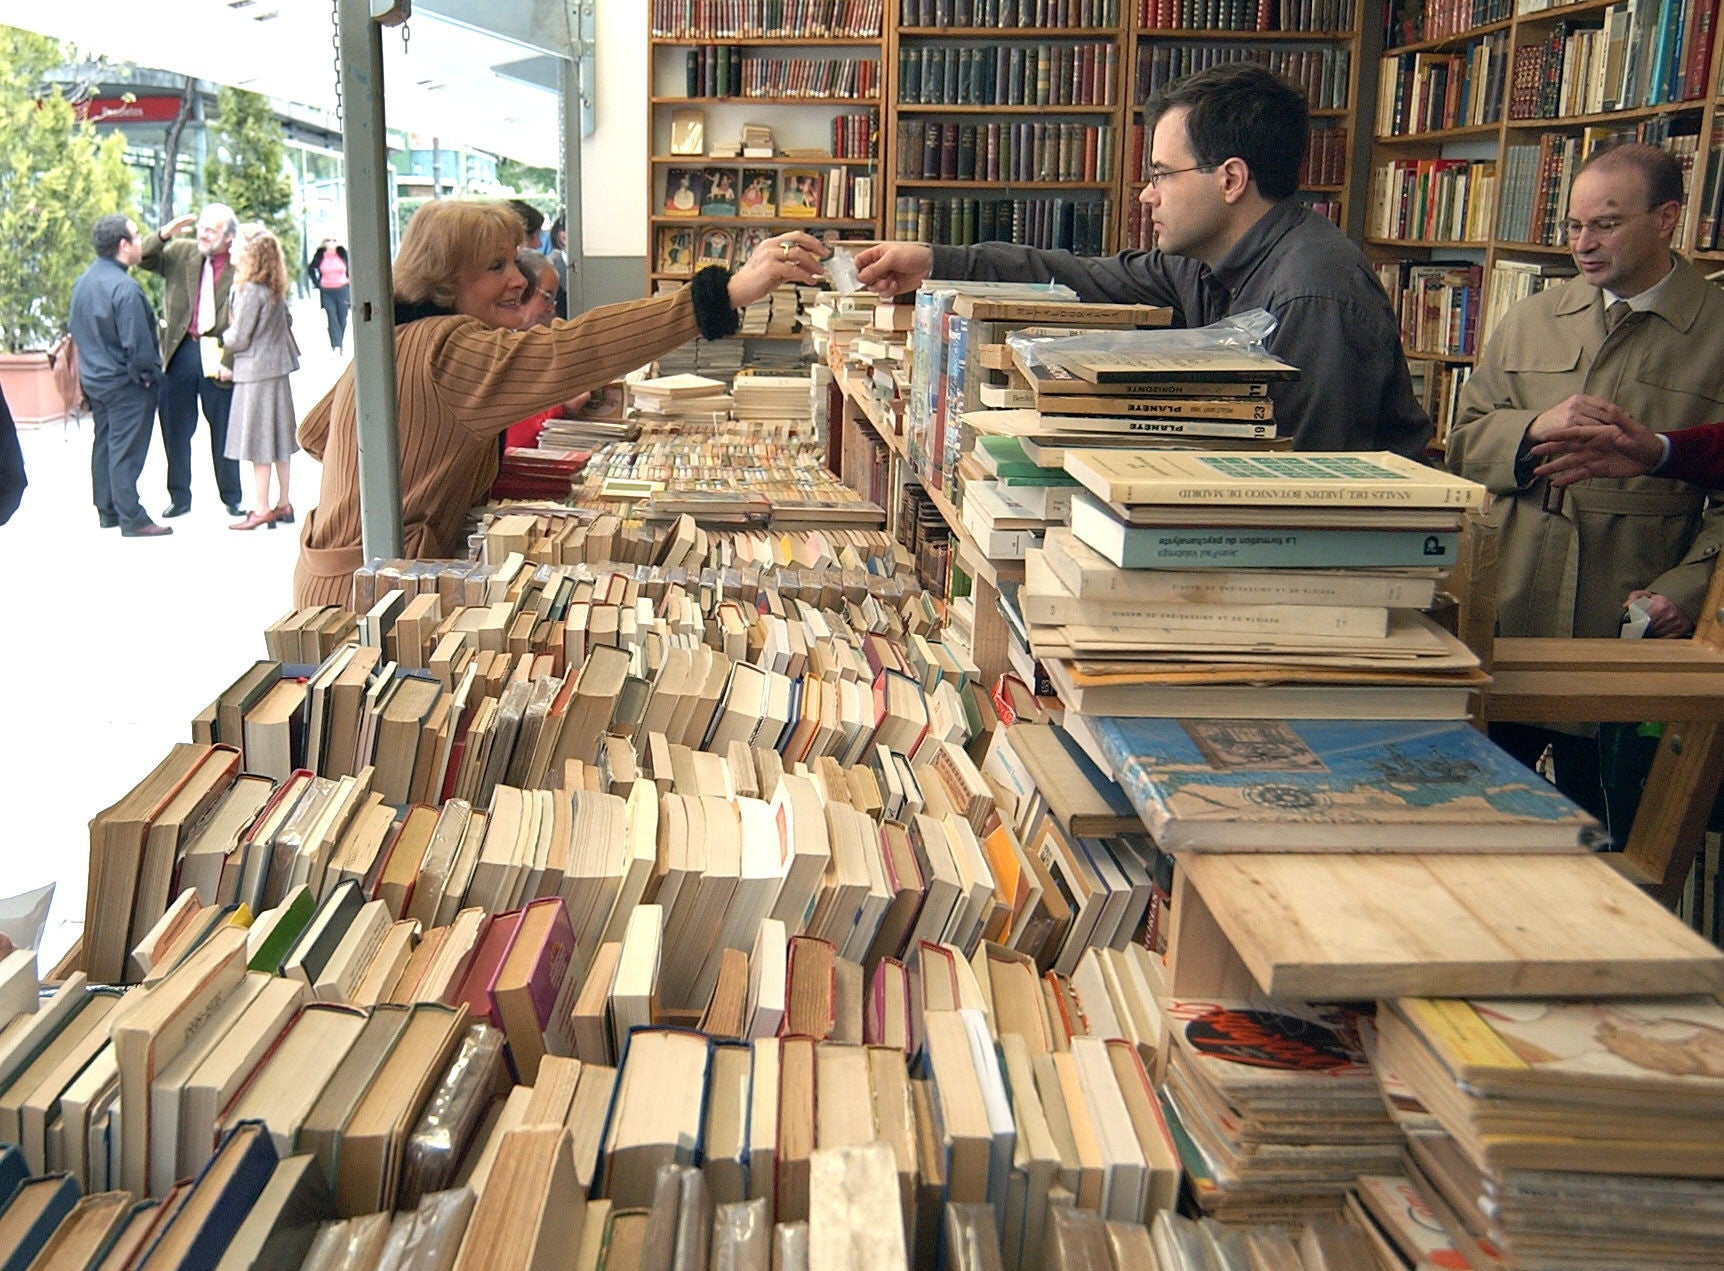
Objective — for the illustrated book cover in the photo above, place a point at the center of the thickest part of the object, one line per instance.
(1292, 785)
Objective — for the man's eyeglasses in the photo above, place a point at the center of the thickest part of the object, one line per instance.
(1155, 176)
(549, 297)
(1600, 226)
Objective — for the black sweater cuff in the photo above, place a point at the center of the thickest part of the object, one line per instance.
(712, 311)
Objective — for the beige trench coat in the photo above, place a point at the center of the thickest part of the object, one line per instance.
(1568, 572)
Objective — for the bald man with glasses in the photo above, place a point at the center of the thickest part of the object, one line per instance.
(1637, 336)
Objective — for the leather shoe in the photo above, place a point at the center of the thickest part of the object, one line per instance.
(149, 529)
(107, 520)
(234, 509)
(177, 509)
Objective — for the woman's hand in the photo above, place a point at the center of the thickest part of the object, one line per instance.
(786, 258)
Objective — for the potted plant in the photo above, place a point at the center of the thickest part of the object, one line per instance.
(56, 177)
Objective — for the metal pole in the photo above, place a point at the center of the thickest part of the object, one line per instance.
(365, 151)
(575, 252)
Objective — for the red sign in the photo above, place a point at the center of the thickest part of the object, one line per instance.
(140, 110)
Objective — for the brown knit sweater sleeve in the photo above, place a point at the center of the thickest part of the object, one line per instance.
(488, 377)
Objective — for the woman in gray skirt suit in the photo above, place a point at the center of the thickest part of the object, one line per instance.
(261, 425)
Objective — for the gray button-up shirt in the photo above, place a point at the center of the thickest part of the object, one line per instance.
(1333, 319)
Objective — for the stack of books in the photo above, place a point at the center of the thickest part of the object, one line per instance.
(1263, 586)
(1573, 1134)
(681, 396)
(1274, 1107)
(538, 473)
(771, 397)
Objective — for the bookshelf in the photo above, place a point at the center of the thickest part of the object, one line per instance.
(1006, 123)
(1484, 111)
(812, 77)
(1313, 44)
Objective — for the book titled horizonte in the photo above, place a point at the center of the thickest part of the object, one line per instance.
(1372, 479)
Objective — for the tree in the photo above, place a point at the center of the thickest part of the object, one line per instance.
(56, 178)
(247, 167)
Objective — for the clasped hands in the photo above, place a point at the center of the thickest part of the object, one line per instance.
(1582, 437)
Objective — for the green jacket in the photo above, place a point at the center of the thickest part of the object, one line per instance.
(181, 264)
(1568, 572)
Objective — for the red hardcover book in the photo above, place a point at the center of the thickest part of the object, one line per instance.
(523, 993)
(488, 957)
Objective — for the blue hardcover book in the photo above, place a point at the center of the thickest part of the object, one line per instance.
(1235, 547)
(37, 1207)
(13, 1170)
(195, 1238)
(1302, 785)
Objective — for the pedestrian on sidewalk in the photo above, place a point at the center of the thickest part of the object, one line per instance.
(328, 270)
(114, 329)
(260, 337)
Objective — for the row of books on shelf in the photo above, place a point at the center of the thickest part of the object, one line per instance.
(833, 193)
(1429, 92)
(1083, 74)
(1434, 200)
(1708, 234)
(1316, 16)
(725, 70)
(1048, 14)
(1324, 74)
(1633, 54)
(1005, 152)
(1048, 222)
(1535, 179)
(1415, 21)
(754, 19)
(1439, 304)
(1437, 385)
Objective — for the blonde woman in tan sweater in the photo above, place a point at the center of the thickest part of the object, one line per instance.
(463, 375)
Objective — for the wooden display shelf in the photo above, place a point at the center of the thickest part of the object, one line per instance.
(1437, 135)
(1276, 37)
(740, 100)
(775, 222)
(1017, 108)
(1607, 116)
(1437, 244)
(714, 161)
(1011, 32)
(800, 41)
(977, 183)
(1350, 927)
(1438, 43)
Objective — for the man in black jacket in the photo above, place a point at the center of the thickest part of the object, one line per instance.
(1232, 236)
(120, 366)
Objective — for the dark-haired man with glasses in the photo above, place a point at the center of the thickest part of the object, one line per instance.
(1231, 235)
(1637, 336)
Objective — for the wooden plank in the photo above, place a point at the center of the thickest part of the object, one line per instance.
(1594, 696)
(1541, 654)
(1671, 821)
(1200, 961)
(1346, 927)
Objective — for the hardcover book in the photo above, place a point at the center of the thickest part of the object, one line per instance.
(759, 192)
(1324, 480)
(717, 246)
(1335, 786)
(800, 193)
(719, 197)
(683, 188)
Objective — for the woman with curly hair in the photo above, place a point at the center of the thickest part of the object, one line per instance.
(260, 337)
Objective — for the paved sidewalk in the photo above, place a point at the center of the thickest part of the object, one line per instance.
(111, 645)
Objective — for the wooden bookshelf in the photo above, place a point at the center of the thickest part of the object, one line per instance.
(819, 93)
(1011, 140)
(1531, 149)
(1325, 62)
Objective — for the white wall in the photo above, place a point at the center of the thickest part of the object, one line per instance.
(614, 158)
